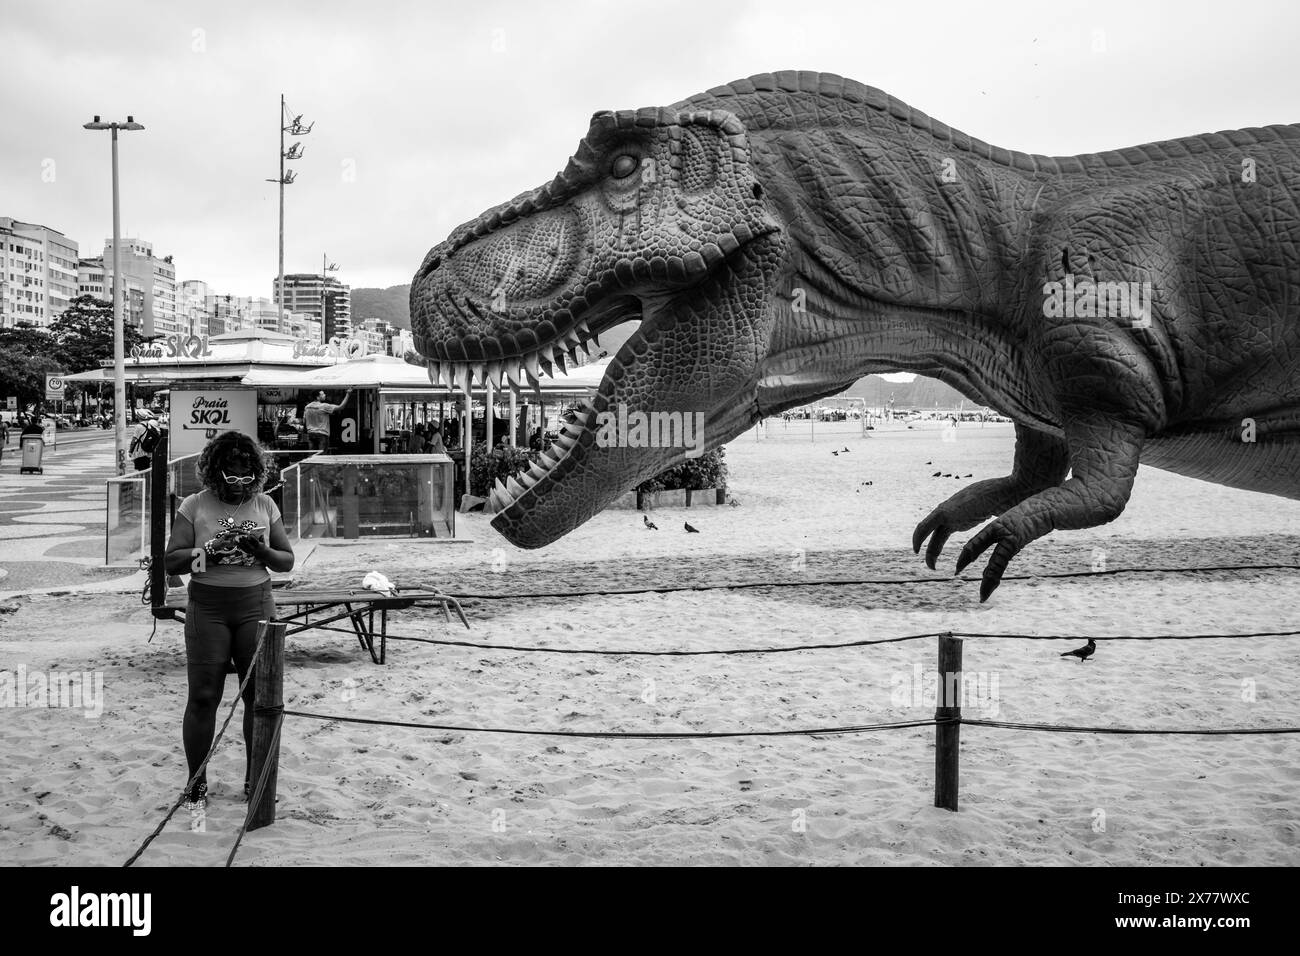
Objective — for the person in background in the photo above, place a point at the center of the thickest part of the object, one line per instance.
(416, 444)
(227, 537)
(435, 445)
(317, 416)
(144, 439)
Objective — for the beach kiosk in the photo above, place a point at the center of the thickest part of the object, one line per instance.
(202, 379)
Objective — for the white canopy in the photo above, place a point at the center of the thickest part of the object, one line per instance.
(387, 371)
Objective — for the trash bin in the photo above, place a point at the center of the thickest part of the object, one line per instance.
(33, 450)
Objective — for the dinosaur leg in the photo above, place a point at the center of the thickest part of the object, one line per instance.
(1103, 459)
(1042, 461)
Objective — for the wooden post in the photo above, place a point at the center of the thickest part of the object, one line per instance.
(947, 737)
(467, 437)
(158, 513)
(268, 709)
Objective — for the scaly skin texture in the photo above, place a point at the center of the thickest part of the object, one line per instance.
(785, 235)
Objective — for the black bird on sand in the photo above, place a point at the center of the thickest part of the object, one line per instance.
(649, 524)
(929, 463)
(936, 474)
(835, 453)
(690, 529)
(845, 448)
(1083, 653)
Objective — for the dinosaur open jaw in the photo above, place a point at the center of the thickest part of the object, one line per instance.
(514, 498)
(525, 368)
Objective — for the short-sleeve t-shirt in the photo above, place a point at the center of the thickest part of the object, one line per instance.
(216, 525)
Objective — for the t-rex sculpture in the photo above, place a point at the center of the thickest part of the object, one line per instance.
(784, 235)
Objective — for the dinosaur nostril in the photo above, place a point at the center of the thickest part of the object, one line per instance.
(758, 191)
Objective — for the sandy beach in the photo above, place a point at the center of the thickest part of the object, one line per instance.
(87, 789)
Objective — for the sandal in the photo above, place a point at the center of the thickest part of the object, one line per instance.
(197, 797)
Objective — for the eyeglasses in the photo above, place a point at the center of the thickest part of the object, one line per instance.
(237, 479)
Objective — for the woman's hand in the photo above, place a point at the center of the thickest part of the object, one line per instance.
(251, 544)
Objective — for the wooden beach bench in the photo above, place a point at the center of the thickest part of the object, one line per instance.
(358, 605)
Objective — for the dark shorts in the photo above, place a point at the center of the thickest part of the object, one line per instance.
(221, 623)
(318, 441)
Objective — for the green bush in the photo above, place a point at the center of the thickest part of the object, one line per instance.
(486, 468)
(707, 471)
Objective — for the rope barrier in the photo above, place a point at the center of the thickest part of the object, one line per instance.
(1153, 731)
(817, 732)
(736, 651)
(203, 766)
(840, 582)
(257, 791)
(610, 734)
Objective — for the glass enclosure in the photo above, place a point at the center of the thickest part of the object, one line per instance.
(126, 531)
(348, 496)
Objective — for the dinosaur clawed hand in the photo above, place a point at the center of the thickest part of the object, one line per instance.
(1009, 543)
(963, 511)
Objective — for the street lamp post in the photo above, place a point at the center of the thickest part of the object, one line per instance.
(119, 358)
(295, 128)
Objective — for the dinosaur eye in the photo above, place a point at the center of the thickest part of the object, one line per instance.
(624, 166)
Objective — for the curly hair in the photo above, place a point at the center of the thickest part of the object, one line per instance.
(228, 450)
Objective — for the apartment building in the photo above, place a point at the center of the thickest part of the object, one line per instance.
(149, 279)
(38, 273)
(324, 298)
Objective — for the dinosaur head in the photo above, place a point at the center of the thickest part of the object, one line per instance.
(658, 218)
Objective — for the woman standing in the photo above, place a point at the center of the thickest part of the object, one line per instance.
(227, 537)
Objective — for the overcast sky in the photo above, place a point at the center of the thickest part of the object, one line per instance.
(428, 112)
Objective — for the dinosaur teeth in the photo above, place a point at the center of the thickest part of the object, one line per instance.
(536, 471)
(435, 372)
(462, 378)
(558, 358)
(480, 372)
(515, 376)
(531, 366)
(515, 489)
(494, 373)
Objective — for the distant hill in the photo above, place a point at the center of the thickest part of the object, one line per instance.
(921, 393)
(391, 304)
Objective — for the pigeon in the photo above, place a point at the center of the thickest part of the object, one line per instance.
(947, 474)
(649, 524)
(929, 463)
(846, 448)
(1083, 653)
(936, 474)
(690, 529)
(968, 476)
(835, 453)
